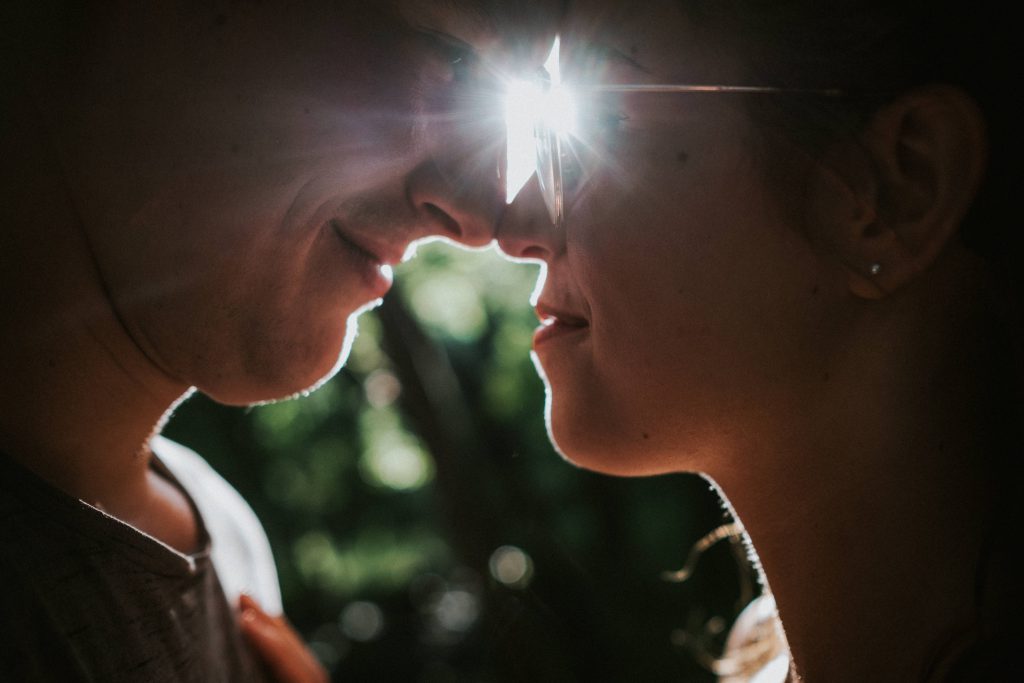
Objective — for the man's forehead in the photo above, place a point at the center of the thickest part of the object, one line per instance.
(486, 24)
(477, 16)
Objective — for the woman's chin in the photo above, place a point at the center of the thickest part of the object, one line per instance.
(606, 452)
(611, 444)
(622, 463)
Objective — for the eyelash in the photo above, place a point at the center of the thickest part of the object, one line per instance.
(461, 57)
(604, 120)
(612, 120)
(602, 126)
(464, 64)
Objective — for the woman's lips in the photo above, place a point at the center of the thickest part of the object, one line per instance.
(555, 325)
(375, 271)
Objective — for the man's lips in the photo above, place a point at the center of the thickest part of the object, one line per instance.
(555, 323)
(370, 259)
(383, 253)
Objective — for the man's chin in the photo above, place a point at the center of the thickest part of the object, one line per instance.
(253, 394)
(281, 377)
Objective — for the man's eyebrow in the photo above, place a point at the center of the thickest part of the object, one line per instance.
(442, 40)
(481, 15)
(446, 23)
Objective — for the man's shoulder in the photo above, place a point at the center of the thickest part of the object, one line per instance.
(31, 644)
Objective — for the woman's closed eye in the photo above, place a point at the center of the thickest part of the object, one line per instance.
(605, 122)
(597, 131)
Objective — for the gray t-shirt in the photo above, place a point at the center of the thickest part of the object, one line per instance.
(86, 597)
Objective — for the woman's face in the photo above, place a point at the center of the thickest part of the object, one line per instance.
(687, 307)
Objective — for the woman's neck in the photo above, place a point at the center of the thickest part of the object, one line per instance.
(871, 577)
(869, 508)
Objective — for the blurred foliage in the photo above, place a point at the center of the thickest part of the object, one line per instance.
(423, 527)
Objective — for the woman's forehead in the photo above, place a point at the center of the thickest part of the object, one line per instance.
(655, 34)
(654, 37)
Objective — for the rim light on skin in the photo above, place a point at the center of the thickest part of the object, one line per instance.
(541, 123)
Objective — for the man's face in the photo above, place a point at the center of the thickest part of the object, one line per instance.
(245, 174)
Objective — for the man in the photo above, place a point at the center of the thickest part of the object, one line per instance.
(196, 196)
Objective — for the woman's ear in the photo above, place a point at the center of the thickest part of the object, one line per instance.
(899, 198)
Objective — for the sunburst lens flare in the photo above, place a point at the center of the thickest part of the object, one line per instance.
(553, 63)
(560, 112)
(521, 101)
(533, 114)
(559, 109)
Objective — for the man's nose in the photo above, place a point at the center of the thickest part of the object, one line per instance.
(525, 230)
(460, 198)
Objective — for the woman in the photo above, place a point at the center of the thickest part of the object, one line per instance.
(804, 291)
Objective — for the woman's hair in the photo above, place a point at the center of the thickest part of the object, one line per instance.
(874, 50)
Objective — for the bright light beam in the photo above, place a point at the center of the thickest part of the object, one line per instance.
(553, 62)
(521, 101)
(529, 110)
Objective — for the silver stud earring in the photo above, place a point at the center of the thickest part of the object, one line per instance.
(875, 268)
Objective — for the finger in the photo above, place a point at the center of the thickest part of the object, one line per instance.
(279, 646)
(282, 650)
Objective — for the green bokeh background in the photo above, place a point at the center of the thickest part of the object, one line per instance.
(388, 492)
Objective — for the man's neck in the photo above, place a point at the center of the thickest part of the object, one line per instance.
(72, 412)
(78, 399)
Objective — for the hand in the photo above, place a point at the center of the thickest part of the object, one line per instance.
(279, 645)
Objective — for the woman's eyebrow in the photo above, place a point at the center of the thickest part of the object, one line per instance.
(605, 50)
(595, 50)
(617, 55)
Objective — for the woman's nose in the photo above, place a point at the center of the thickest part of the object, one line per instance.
(526, 231)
